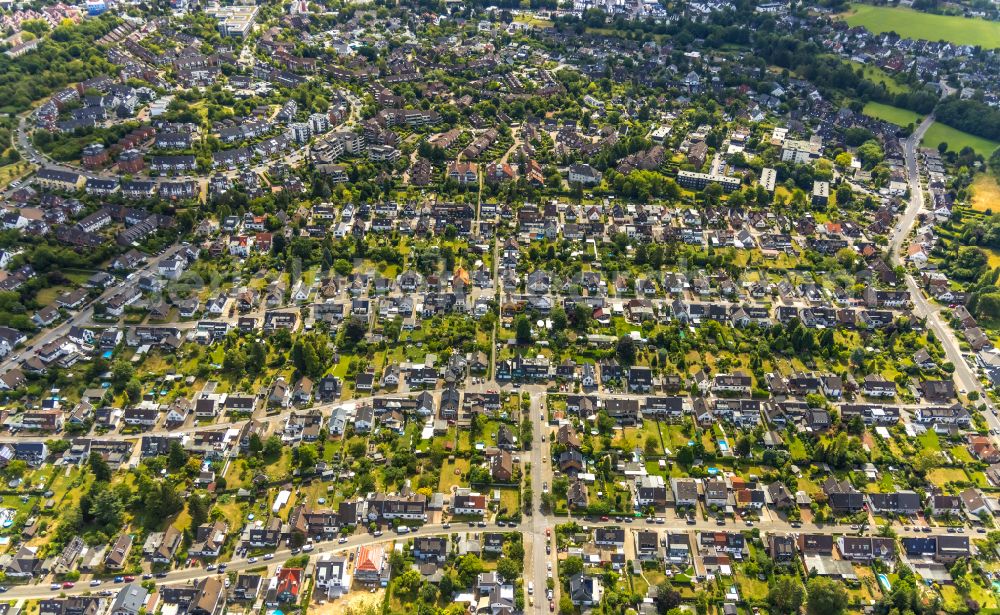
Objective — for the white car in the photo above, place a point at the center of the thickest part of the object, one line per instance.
(268, 556)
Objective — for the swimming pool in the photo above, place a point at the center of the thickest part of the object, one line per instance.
(723, 446)
(884, 582)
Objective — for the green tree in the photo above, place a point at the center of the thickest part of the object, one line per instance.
(826, 597)
(272, 447)
(469, 566)
(307, 456)
(509, 569)
(409, 582)
(625, 350)
(559, 318)
(99, 468)
(667, 597)
(108, 510)
(15, 469)
(570, 566)
(522, 329)
(177, 457)
(786, 596)
(198, 509)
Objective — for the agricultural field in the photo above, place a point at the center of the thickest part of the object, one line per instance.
(986, 193)
(888, 113)
(915, 24)
(956, 140)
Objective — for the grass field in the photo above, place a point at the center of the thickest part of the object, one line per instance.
(538, 22)
(10, 172)
(915, 24)
(994, 258)
(956, 140)
(877, 75)
(986, 193)
(888, 113)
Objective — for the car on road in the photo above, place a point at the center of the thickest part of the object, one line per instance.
(252, 560)
(446, 526)
(68, 585)
(548, 594)
(95, 582)
(55, 587)
(342, 540)
(548, 531)
(268, 556)
(548, 549)
(160, 575)
(147, 576)
(552, 606)
(210, 567)
(129, 578)
(309, 547)
(531, 587)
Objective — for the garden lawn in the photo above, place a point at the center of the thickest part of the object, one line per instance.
(449, 478)
(942, 476)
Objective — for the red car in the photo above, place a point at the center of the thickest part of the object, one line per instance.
(548, 531)
(552, 606)
(604, 518)
(129, 579)
(68, 585)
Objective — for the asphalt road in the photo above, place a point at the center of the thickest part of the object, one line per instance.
(965, 375)
(529, 527)
(82, 317)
